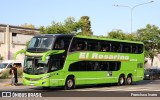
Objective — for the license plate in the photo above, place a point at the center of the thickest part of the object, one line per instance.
(32, 84)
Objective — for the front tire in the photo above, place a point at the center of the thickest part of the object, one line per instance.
(70, 83)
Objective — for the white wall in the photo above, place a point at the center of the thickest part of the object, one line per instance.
(14, 49)
(18, 43)
(2, 49)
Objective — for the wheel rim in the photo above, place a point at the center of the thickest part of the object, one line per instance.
(121, 80)
(129, 80)
(70, 83)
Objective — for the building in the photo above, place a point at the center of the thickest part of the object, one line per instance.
(13, 39)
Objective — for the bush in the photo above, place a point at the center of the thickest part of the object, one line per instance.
(5, 74)
(20, 72)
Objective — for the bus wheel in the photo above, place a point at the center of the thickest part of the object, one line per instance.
(121, 80)
(70, 83)
(129, 80)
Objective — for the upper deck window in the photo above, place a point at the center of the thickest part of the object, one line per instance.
(42, 42)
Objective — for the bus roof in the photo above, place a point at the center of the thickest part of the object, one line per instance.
(109, 39)
(54, 35)
(87, 37)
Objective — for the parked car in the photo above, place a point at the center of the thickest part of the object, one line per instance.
(152, 74)
(7, 64)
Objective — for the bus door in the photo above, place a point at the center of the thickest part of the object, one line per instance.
(55, 66)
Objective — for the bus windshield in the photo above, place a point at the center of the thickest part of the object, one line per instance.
(41, 42)
(35, 66)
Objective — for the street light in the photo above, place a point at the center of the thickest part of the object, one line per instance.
(132, 8)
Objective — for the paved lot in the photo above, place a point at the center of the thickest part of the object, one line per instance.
(145, 85)
(5, 85)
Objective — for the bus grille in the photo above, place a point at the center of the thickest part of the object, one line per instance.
(32, 79)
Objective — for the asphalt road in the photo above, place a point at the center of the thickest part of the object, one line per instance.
(145, 85)
(91, 92)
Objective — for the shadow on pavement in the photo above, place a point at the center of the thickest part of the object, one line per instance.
(92, 86)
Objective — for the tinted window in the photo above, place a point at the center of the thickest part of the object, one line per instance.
(79, 44)
(62, 43)
(126, 48)
(116, 47)
(105, 46)
(140, 48)
(134, 49)
(92, 45)
(95, 66)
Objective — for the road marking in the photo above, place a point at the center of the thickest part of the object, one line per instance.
(120, 88)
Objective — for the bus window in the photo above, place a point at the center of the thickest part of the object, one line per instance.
(105, 46)
(47, 43)
(95, 66)
(78, 45)
(126, 48)
(114, 66)
(140, 48)
(55, 65)
(78, 66)
(116, 47)
(134, 49)
(59, 44)
(92, 45)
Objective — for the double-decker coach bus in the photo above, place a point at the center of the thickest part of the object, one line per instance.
(69, 60)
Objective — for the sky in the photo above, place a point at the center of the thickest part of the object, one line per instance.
(103, 15)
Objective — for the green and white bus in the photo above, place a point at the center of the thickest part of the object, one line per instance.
(70, 60)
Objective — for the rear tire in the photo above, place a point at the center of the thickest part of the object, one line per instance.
(129, 80)
(121, 80)
(70, 83)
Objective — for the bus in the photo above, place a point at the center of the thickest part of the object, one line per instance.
(72, 60)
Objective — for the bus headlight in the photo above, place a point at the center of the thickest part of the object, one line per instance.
(44, 77)
(47, 76)
(47, 57)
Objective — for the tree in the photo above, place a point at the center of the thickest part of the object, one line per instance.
(116, 34)
(131, 37)
(119, 34)
(69, 26)
(150, 36)
(27, 43)
(85, 26)
(26, 25)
